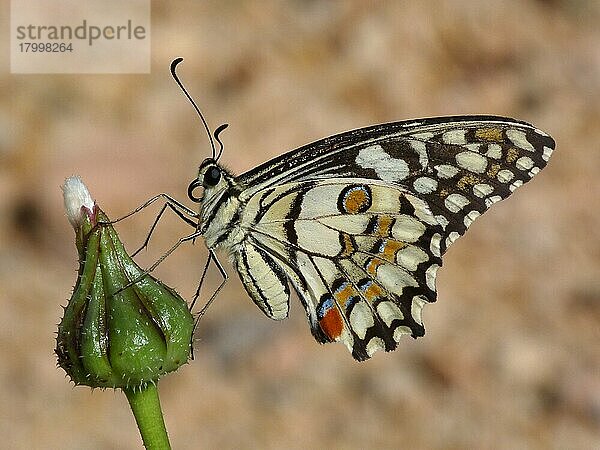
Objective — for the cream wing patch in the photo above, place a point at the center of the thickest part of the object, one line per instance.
(387, 168)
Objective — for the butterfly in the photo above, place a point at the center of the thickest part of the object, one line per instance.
(357, 223)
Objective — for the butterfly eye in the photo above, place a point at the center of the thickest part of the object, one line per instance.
(211, 177)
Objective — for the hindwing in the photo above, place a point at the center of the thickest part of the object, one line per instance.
(362, 255)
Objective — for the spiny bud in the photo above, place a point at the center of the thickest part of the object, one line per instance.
(115, 333)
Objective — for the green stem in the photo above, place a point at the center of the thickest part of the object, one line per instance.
(145, 406)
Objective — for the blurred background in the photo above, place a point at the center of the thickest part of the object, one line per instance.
(511, 358)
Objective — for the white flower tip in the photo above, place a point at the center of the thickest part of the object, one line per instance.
(76, 196)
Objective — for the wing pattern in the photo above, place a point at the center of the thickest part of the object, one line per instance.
(359, 222)
(459, 165)
(362, 256)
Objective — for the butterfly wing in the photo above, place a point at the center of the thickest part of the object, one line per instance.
(362, 255)
(459, 165)
(359, 222)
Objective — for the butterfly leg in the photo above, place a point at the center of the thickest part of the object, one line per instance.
(197, 293)
(224, 275)
(164, 256)
(182, 211)
(179, 213)
(174, 204)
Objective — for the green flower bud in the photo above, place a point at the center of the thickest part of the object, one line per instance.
(112, 335)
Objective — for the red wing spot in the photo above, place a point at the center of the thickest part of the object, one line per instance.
(332, 324)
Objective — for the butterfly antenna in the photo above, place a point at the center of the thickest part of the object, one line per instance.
(174, 64)
(217, 133)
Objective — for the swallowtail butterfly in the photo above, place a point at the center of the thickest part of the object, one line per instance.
(357, 223)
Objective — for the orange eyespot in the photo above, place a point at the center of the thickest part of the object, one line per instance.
(355, 199)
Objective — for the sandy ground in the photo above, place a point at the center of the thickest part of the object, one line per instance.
(511, 358)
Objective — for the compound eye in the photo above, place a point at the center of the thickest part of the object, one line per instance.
(211, 177)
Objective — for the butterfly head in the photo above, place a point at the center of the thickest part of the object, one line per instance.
(218, 201)
(212, 178)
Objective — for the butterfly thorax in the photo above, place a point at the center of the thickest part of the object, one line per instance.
(219, 207)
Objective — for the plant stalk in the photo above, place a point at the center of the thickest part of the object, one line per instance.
(145, 406)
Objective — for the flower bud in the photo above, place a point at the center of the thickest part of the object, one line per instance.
(114, 334)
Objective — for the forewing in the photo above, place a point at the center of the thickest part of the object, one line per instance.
(459, 166)
(362, 255)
